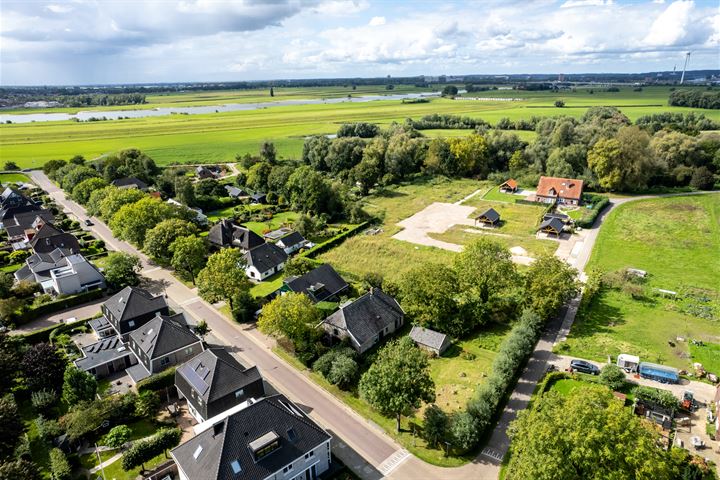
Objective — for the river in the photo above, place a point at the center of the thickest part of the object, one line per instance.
(229, 107)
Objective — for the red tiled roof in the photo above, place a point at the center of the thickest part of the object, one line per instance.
(560, 187)
(511, 183)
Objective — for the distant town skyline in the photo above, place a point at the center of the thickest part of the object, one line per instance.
(86, 42)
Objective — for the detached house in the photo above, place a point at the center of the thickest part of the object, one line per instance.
(366, 320)
(129, 182)
(48, 237)
(291, 243)
(267, 439)
(214, 381)
(227, 233)
(160, 343)
(321, 284)
(61, 272)
(127, 310)
(567, 191)
(265, 261)
(106, 357)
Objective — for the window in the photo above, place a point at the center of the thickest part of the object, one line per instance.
(197, 452)
(164, 361)
(188, 350)
(131, 323)
(239, 393)
(287, 469)
(235, 465)
(310, 454)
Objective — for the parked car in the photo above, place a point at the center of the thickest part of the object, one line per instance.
(584, 367)
(88, 222)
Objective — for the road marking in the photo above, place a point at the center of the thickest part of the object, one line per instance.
(393, 461)
(190, 300)
(489, 452)
(151, 270)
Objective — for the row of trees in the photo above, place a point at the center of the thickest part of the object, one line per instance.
(695, 99)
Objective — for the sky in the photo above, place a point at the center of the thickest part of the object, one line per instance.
(60, 42)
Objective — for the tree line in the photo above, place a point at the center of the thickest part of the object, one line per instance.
(695, 98)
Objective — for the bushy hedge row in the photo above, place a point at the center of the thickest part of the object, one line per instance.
(149, 448)
(336, 240)
(599, 204)
(43, 335)
(159, 381)
(513, 353)
(32, 313)
(446, 121)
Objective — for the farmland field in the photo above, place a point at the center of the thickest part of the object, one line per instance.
(218, 137)
(676, 240)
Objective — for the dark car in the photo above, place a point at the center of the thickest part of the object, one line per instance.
(88, 222)
(584, 367)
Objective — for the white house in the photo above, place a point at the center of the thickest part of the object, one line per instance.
(264, 261)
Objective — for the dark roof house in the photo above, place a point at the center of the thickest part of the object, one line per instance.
(235, 192)
(227, 233)
(129, 182)
(552, 225)
(321, 284)
(258, 197)
(292, 242)
(214, 381)
(11, 197)
(26, 219)
(366, 320)
(264, 261)
(430, 340)
(203, 172)
(49, 237)
(270, 438)
(131, 308)
(163, 341)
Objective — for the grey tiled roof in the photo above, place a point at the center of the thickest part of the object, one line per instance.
(49, 237)
(226, 233)
(554, 223)
(129, 181)
(368, 315)
(427, 337)
(292, 239)
(220, 374)
(164, 334)
(319, 284)
(230, 441)
(102, 352)
(491, 214)
(132, 302)
(266, 257)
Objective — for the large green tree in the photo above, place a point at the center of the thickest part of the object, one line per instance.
(624, 162)
(78, 385)
(549, 283)
(427, 294)
(43, 366)
(82, 191)
(586, 434)
(292, 315)
(11, 426)
(133, 221)
(113, 199)
(399, 380)
(188, 256)
(223, 277)
(159, 238)
(122, 269)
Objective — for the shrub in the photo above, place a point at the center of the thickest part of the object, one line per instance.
(612, 376)
(159, 381)
(344, 372)
(465, 431)
(59, 465)
(144, 450)
(435, 425)
(147, 403)
(117, 436)
(43, 399)
(47, 428)
(662, 398)
(323, 364)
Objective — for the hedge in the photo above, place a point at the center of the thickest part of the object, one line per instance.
(146, 449)
(336, 240)
(157, 382)
(43, 335)
(588, 219)
(61, 304)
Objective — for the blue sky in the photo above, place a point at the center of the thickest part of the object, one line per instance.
(113, 41)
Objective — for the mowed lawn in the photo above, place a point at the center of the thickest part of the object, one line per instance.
(14, 178)
(218, 137)
(676, 240)
(364, 254)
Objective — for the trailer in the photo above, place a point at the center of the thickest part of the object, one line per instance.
(659, 373)
(629, 363)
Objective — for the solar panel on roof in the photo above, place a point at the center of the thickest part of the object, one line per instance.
(197, 382)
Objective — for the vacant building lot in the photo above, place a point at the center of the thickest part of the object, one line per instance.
(676, 240)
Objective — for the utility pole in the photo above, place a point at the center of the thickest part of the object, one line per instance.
(687, 58)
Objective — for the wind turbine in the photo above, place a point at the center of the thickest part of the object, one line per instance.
(687, 58)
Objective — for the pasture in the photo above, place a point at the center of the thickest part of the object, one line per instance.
(676, 240)
(218, 137)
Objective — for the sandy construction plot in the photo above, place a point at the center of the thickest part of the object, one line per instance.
(435, 218)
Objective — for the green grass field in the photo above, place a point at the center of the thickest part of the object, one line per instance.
(218, 137)
(676, 240)
(363, 254)
(14, 178)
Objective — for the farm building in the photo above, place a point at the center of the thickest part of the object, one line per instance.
(510, 186)
(489, 217)
(552, 226)
(430, 340)
(567, 191)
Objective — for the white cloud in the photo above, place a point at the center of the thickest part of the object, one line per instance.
(586, 3)
(59, 8)
(377, 21)
(342, 7)
(671, 26)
